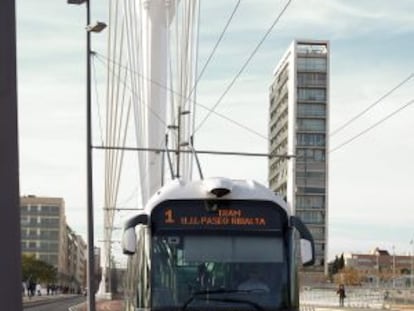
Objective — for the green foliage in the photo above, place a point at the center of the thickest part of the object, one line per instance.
(341, 262)
(337, 265)
(37, 270)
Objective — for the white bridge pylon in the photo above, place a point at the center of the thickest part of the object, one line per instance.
(151, 68)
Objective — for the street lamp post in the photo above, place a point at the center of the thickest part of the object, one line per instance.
(98, 27)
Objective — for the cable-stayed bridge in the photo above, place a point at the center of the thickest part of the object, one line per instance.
(151, 90)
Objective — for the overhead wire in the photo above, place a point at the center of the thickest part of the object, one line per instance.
(134, 91)
(117, 103)
(108, 167)
(134, 34)
(212, 110)
(187, 85)
(182, 75)
(372, 126)
(196, 74)
(357, 116)
(107, 232)
(104, 59)
(353, 119)
(244, 66)
(113, 99)
(98, 106)
(117, 117)
(213, 51)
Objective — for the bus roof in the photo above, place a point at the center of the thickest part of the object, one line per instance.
(178, 189)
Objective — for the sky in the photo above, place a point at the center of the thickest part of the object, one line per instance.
(371, 52)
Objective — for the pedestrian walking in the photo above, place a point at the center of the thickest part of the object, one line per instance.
(341, 293)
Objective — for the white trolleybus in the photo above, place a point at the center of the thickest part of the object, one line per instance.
(215, 244)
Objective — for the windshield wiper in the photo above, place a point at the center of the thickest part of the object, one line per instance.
(222, 291)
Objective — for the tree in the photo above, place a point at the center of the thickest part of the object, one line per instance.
(335, 266)
(341, 262)
(349, 276)
(37, 270)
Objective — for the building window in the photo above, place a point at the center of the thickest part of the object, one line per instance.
(24, 220)
(311, 202)
(303, 154)
(317, 233)
(319, 155)
(50, 221)
(311, 94)
(311, 110)
(309, 48)
(310, 217)
(32, 233)
(53, 234)
(310, 179)
(311, 139)
(311, 125)
(311, 190)
(53, 260)
(309, 175)
(311, 64)
(50, 209)
(311, 79)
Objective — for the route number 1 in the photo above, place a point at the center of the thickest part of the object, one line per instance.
(169, 219)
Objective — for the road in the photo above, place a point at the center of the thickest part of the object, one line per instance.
(58, 305)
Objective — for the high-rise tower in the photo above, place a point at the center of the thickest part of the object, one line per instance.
(299, 118)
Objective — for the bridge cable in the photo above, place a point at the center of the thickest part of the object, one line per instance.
(244, 65)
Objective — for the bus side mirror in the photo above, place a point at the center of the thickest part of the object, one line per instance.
(307, 246)
(129, 241)
(129, 238)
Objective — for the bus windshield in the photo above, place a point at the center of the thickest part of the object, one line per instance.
(211, 272)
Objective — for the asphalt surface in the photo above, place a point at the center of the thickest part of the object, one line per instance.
(52, 303)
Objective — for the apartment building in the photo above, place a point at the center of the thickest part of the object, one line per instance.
(298, 127)
(44, 232)
(46, 235)
(76, 261)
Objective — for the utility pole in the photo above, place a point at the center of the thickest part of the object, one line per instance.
(378, 267)
(10, 262)
(98, 27)
(393, 267)
(412, 263)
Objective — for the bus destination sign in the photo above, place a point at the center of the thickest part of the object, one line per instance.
(215, 216)
(223, 217)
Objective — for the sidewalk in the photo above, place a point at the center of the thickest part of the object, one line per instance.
(38, 300)
(351, 308)
(102, 305)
